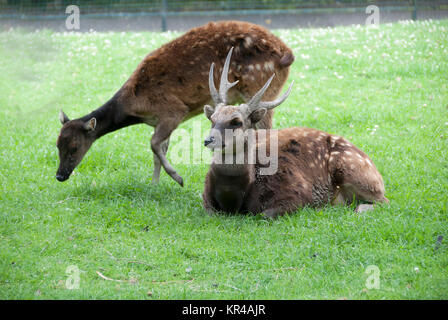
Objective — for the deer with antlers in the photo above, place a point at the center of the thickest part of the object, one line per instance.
(313, 167)
(170, 86)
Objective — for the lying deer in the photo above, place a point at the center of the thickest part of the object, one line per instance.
(170, 86)
(313, 168)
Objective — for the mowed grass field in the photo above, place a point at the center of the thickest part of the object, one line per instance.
(384, 89)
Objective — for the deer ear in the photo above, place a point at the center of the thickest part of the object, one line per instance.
(63, 117)
(90, 125)
(257, 115)
(208, 110)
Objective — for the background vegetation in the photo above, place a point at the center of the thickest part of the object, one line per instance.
(90, 6)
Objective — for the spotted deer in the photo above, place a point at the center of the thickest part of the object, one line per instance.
(314, 168)
(170, 86)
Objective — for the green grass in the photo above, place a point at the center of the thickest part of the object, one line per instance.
(384, 89)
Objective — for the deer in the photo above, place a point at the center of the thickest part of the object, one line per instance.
(313, 168)
(170, 86)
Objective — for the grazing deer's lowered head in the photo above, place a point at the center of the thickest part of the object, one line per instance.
(313, 168)
(75, 139)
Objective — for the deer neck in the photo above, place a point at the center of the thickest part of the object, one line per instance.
(235, 165)
(231, 186)
(110, 117)
(233, 170)
(231, 182)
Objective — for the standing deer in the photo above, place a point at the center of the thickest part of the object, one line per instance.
(313, 167)
(170, 86)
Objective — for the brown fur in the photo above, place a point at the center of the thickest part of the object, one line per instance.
(171, 85)
(175, 75)
(314, 168)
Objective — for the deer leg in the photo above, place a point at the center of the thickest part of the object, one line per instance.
(161, 134)
(338, 198)
(157, 164)
(367, 206)
(367, 187)
(358, 178)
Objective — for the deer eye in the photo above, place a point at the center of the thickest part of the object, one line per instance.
(236, 123)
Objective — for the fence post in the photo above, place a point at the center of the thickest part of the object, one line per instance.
(414, 12)
(163, 14)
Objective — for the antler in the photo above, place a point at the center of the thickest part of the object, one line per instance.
(256, 102)
(224, 86)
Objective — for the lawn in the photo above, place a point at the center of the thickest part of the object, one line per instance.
(384, 89)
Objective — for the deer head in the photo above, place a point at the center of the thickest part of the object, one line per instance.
(74, 141)
(234, 119)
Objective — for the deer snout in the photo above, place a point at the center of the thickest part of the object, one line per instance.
(62, 175)
(214, 139)
(209, 140)
(61, 178)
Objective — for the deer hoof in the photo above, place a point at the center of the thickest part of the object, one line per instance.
(270, 213)
(364, 207)
(178, 179)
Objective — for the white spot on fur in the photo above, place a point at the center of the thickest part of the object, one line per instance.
(269, 66)
(247, 42)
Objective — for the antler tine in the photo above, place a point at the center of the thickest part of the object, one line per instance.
(278, 101)
(225, 85)
(255, 101)
(211, 83)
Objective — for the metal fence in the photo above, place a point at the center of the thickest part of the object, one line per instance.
(55, 9)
